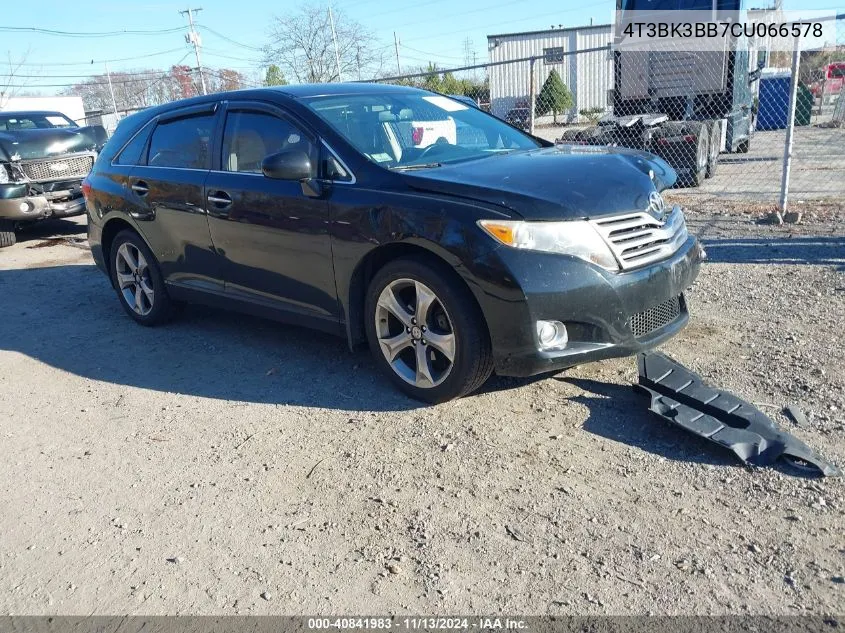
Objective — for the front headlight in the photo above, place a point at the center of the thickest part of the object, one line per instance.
(577, 238)
(4, 174)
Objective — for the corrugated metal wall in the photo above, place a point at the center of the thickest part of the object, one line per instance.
(588, 75)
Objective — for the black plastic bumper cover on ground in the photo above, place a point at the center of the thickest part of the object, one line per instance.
(681, 397)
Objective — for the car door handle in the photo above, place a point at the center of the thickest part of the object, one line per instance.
(141, 188)
(220, 199)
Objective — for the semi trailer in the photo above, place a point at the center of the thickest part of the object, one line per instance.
(686, 106)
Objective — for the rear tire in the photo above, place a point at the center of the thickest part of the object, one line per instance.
(137, 279)
(7, 233)
(698, 162)
(743, 146)
(413, 302)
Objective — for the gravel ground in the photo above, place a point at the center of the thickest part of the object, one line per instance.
(225, 464)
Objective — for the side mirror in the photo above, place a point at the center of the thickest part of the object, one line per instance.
(293, 165)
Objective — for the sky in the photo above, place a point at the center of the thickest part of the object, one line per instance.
(437, 31)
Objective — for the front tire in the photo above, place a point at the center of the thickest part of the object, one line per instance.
(137, 279)
(7, 233)
(425, 331)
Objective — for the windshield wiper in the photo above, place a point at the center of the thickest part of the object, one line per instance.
(420, 166)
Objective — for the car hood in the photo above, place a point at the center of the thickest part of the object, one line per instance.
(556, 183)
(38, 143)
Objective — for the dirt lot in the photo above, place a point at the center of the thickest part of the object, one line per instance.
(225, 465)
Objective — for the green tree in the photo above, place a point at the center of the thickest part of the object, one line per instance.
(451, 85)
(554, 96)
(275, 76)
(432, 80)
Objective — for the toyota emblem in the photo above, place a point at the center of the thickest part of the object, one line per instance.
(656, 206)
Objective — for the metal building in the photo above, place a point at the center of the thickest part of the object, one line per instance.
(588, 75)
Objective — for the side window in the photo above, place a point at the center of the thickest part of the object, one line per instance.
(131, 153)
(251, 136)
(182, 143)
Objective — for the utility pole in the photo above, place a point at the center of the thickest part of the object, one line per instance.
(334, 40)
(358, 60)
(111, 91)
(396, 46)
(468, 52)
(194, 38)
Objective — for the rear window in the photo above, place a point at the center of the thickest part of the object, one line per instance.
(182, 143)
(131, 154)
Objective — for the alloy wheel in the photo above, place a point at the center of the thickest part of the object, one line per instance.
(134, 279)
(415, 333)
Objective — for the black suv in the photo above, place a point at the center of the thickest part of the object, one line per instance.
(480, 249)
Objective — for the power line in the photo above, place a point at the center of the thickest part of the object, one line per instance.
(484, 26)
(159, 80)
(104, 61)
(229, 39)
(83, 75)
(241, 79)
(83, 34)
(416, 50)
(213, 52)
(134, 78)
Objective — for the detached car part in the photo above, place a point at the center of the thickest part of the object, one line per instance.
(681, 397)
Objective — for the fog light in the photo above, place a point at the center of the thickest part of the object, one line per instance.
(25, 207)
(551, 335)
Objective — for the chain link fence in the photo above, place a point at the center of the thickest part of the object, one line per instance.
(720, 118)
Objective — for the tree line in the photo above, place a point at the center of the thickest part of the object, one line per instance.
(139, 89)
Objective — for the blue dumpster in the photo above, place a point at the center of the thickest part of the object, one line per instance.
(773, 109)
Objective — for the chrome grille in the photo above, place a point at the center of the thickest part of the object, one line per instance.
(637, 239)
(646, 322)
(58, 168)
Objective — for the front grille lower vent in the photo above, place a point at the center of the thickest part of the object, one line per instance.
(637, 239)
(645, 322)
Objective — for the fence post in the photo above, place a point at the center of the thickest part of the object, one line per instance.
(790, 129)
(532, 96)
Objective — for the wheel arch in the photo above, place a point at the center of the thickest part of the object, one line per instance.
(379, 257)
(110, 230)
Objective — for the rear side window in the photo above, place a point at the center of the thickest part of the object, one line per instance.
(182, 143)
(131, 154)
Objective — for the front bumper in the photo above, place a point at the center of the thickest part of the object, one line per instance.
(18, 204)
(596, 306)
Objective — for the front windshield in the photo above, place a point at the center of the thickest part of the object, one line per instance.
(33, 121)
(408, 130)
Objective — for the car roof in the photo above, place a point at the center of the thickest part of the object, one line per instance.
(299, 91)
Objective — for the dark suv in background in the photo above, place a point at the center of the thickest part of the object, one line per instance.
(320, 205)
